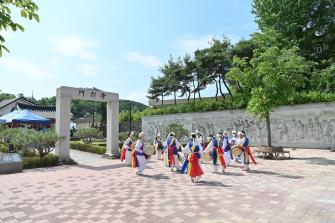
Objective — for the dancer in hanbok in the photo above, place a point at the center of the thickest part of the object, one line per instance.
(171, 145)
(200, 139)
(217, 153)
(194, 151)
(226, 147)
(139, 161)
(187, 149)
(243, 141)
(126, 149)
(159, 147)
(232, 142)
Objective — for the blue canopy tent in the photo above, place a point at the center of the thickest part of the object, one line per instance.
(24, 116)
(7, 118)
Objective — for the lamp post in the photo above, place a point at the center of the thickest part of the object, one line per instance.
(130, 117)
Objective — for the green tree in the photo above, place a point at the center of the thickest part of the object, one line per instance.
(28, 9)
(158, 88)
(310, 23)
(173, 73)
(5, 96)
(215, 62)
(272, 75)
(187, 76)
(51, 101)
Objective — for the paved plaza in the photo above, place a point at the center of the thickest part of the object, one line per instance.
(98, 190)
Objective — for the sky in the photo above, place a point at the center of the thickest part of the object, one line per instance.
(113, 45)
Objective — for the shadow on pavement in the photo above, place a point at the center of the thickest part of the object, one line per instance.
(317, 160)
(101, 168)
(275, 174)
(231, 174)
(211, 183)
(156, 176)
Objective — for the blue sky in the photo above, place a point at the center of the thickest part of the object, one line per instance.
(114, 45)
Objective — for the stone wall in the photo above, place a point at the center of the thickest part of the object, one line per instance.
(306, 126)
(136, 126)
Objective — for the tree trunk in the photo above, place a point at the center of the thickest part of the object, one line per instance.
(268, 126)
(162, 99)
(217, 90)
(199, 91)
(193, 91)
(175, 99)
(225, 84)
(188, 97)
(220, 88)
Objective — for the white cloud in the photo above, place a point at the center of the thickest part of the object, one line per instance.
(88, 70)
(74, 45)
(192, 44)
(139, 96)
(146, 60)
(27, 68)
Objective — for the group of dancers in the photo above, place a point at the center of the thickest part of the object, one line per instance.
(219, 149)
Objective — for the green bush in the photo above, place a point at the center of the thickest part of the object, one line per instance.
(103, 144)
(27, 153)
(311, 97)
(3, 148)
(238, 102)
(178, 129)
(36, 162)
(91, 148)
(24, 139)
(86, 134)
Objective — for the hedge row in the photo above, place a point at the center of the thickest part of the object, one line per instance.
(91, 148)
(36, 162)
(237, 103)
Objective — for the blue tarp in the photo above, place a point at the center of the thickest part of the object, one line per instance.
(7, 118)
(24, 116)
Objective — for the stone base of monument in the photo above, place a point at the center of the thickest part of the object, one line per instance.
(10, 163)
(111, 156)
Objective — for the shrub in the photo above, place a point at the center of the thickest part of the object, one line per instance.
(27, 139)
(178, 129)
(3, 148)
(86, 134)
(27, 153)
(88, 147)
(36, 162)
(44, 142)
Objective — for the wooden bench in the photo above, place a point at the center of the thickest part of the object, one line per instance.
(276, 152)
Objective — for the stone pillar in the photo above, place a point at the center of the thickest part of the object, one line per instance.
(63, 125)
(113, 128)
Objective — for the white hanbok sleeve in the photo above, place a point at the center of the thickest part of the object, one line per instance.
(125, 144)
(209, 148)
(138, 146)
(241, 142)
(201, 152)
(177, 143)
(186, 149)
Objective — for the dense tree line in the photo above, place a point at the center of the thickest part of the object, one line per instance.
(308, 26)
(294, 53)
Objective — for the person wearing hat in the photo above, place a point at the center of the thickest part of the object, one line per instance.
(192, 163)
(200, 139)
(139, 161)
(246, 152)
(126, 149)
(217, 152)
(232, 142)
(226, 147)
(172, 145)
(158, 146)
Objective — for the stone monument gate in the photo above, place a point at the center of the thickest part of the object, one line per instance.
(63, 101)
